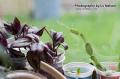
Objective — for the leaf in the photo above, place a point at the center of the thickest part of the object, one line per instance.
(16, 24)
(24, 30)
(65, 46)
(37, 47)
(49, 45)
(74, 31)
(34, 60)
(89, 49)
(32, 37)
(21, 42)
(8, 28)
(3, 40)
(35, 55)
(40, 32)
(14, 27)
(57, 38)
(78, 71)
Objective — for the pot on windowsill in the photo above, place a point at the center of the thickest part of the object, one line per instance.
(19, 63)
(59, 61)
(110, 73)
(78, 70)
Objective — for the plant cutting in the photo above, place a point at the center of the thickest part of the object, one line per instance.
(78, 70)
(24, 43)
(103, 71)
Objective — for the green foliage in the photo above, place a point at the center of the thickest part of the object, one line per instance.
(4, 58)
(89, 50)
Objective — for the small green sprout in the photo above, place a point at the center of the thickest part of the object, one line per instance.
(78, 71)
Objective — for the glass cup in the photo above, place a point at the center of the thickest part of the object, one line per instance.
(71, 69)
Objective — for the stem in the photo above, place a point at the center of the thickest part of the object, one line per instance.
(119, 64)
(57, 49)
(89, 49)
(83, 37)
(98, 65)
(52, 40)
(48, 33)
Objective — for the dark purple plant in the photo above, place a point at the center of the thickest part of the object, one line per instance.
(29, 38)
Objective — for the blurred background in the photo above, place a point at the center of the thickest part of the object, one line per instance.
(100, 26)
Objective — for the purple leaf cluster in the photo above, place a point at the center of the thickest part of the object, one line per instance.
(29, 38)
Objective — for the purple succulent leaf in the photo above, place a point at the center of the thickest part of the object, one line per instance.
(37, 31)
(8, 28)
(32, 37)
(65, 46)
(40, 32)
(35, 55)
(57, 38)
(48, 48)
(3, 40)
(53, 34)
(14, 27)
(21, 42)
(38, 47)
(34, 60)
(48, 57)
(24, 30)
(59, 41)
(49, 45)
(59, 34)
(16, 24)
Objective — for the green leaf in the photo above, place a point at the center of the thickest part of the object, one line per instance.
(74, 31)
(89, 49)
(78, 71)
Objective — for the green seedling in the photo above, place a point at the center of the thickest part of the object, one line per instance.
(78, 71)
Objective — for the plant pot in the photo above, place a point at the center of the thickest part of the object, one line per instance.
(86, 70)
(111, 72)
(59, 61)
(19, 63)
(22, 74)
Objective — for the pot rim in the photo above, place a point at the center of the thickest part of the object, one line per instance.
(79, 64)
(23, 72)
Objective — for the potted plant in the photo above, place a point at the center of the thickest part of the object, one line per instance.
(104, 70)
(24, 43)
(78, 70)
